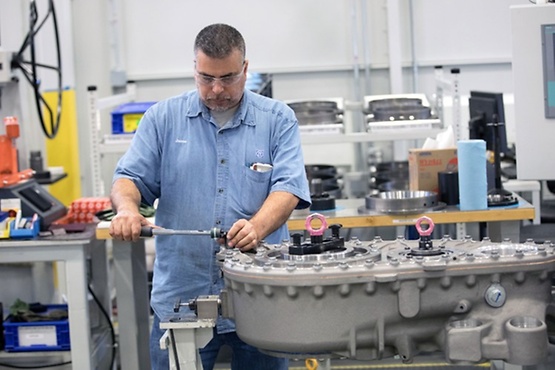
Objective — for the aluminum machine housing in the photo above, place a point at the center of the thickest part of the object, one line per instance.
(472, 300)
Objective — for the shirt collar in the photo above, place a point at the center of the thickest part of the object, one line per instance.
(196, 108)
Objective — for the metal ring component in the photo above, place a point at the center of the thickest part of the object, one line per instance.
(319, 231)
(430, 228)
(402, 201)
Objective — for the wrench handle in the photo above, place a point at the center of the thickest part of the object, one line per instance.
(214, 233)
(146, 231)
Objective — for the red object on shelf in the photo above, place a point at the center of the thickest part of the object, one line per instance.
(9, 170)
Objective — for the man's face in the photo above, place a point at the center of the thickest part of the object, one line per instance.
(220, 82)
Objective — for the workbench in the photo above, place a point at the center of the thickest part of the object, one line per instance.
(131, 273)
(502, 222)
(74, 253)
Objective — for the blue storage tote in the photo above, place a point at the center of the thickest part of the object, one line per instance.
(126, 117)
(39, 335)
(23, 232)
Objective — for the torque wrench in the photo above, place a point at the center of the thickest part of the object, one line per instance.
(214, 233)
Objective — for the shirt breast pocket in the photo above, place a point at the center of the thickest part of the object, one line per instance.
(255, 189)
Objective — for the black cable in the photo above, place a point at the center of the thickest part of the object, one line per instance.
(29, 68)
(109, 321)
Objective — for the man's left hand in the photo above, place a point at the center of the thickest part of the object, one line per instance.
(243, 236)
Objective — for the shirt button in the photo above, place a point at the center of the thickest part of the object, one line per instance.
(220, 190)
(218, 222)
(222, 161)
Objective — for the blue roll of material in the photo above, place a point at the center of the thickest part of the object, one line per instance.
(473, 182)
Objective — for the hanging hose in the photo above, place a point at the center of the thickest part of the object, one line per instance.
(29, 67)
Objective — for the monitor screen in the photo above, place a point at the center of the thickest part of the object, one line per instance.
(484, 109)
(548, 54)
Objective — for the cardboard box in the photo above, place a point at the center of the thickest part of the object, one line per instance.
(425, 164)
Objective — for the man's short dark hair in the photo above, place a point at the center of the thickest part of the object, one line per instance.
(219, 40)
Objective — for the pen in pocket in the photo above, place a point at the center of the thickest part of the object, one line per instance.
(261, 167)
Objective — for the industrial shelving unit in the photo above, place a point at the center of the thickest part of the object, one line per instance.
(95, 105)
(118, 144)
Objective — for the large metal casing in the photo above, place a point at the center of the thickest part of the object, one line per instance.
(474, 301)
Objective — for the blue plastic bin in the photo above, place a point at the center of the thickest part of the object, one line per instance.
(126, 117)
(25, 233)
(38, 336)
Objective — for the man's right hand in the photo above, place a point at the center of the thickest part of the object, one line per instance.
(126, 225)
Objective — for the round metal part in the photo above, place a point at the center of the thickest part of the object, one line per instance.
(333, 191)
(411, 252)
(495, 295)
(387, 176)
(321, 229)
(393, 103)
(327, 174)
(501, 197)
(319, 170)
(322, 203)
(417, 252)
(507, 249)
(316, 117)
(316, 112)
(424, 231)
(326, 180)
(402, 201)
(402, 113)
(314, 105)
(282, 257)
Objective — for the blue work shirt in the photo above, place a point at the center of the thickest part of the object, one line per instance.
(200, 174)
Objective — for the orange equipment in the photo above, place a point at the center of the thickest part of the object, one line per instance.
(9, 171)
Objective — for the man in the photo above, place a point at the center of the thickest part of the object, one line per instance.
(218, 156)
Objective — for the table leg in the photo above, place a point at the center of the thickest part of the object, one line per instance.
(80, 331)
(131, 280)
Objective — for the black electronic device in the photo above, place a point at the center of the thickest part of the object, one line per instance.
(487, 122)
(35, 199)
(484, 109)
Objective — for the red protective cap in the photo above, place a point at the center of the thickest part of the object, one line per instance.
(12, 126)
